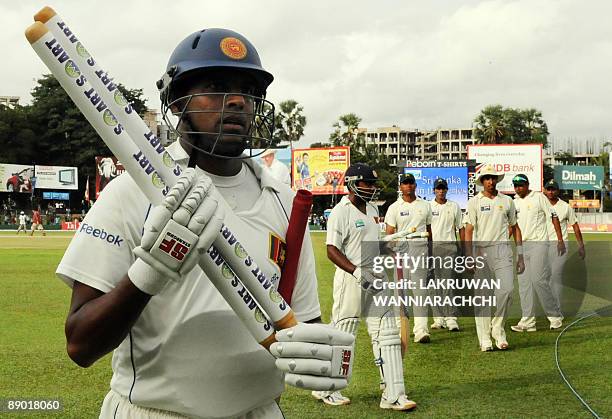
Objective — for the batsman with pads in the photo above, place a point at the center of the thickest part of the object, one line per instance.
(179, 348)
(352, 244)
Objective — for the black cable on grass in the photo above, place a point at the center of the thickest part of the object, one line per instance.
(563, 376)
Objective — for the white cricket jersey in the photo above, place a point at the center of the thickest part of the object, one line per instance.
(280, 172)
(532, 214)
(446, 219)
(403, 216)
(22, 219)
(188, 352)
(490, 217)
(348, 228)
(566, 215)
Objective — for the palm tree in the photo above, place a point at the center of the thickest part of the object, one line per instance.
(489, 125)
(290, 122)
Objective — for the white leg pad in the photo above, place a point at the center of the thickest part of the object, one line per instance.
(390, 358)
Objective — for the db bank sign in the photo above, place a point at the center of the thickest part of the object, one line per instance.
(589, 178)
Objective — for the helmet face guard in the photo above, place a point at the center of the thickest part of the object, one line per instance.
(217, 49)
(259, 117)
(366, 194)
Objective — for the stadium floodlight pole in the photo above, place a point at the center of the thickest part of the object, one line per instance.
(138, 165)
(258, 284)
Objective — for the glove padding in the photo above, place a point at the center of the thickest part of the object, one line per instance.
(177, 232)
(314, 356)
(366, 277)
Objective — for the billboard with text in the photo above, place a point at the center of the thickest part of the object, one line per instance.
(16, 178)
(320, 170)
(56, 177)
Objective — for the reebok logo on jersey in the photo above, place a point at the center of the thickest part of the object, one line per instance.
(113, 239)
(360, 224)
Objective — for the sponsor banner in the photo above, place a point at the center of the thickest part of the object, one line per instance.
(456, 177)
(584, 203)
(16, 178)
(56, 177)
(511, 159)
(71, 225)
(58, 196)
(107, 168)
(595, 228)
(320, 170)
(586, 178)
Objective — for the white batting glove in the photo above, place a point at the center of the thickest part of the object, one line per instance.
(177, 232)
(314, 356)
(366, 277)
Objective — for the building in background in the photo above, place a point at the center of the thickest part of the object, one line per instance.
(10, 101)
(153, 120)
(440, 144)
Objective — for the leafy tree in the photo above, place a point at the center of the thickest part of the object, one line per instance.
(320, 145)
(498, 125)
(346, 132)
(290, 122)
(17, 138)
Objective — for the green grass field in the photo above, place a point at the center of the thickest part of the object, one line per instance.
(448, 377)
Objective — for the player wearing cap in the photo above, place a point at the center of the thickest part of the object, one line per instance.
(37, 222)
(489, 218)
(411, 213)
(352, 245)
(566, 216)
(446, 221)
(22, 222)
(533, 212)
(278, 170)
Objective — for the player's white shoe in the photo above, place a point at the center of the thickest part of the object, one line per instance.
(402, 403)
(438, 325)
(556, 323)
(452, 325)
(333, 399)
(486, 346)
(421, 337)
(522, 328)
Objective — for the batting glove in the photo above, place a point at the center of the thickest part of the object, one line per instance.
(176, 234)
(366, 277)
(314, 356)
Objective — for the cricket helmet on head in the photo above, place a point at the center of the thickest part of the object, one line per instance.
(215, 49)
(362, 172)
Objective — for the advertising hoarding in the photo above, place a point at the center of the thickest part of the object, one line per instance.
(16, 177)
(107, 168)
(56, 177)
(586, 178)
(320, 170)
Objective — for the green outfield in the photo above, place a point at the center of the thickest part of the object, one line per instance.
(448, 377)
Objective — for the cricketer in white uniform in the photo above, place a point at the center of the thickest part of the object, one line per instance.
(278, 170)
(22, 222)
(411, 213)
(352, 244)
(488, 219)
(567, 217)
(179, 349)
(446, 222)
(533, 213)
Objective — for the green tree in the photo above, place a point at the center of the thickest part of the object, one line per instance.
(346, 132)
(498, 125)
(289, 122)
(489, 125)
(18, 143)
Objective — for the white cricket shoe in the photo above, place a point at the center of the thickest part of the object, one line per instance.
(522, 328)
(333, 399)
(452, 325)
(438, 325)
(556, 323)
(402, 403)
(486, 346)
(421, 337)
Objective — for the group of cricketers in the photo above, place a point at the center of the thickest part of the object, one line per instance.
(536, 222)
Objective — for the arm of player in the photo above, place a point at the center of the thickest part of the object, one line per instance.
(518, 240)
(314, 356)
(580, 240)
(363, 274)
(560, 243)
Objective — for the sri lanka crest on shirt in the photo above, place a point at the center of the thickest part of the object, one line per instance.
(277, 250)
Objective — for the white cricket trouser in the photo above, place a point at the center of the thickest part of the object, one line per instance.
(536, 280)
(115, 406)
(417, 273)
(557, 264)
(499, 265)
(442, 314)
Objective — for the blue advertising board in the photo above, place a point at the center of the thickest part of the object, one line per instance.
(457, 178)
(60, 196)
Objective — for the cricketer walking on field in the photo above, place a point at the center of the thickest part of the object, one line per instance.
(567, 217)
(179, 350)
(446, 222)
(352, 244)
(489, 218)
(533, 213)
(411, 213)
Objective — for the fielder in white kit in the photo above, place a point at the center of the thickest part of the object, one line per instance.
(446, 222)
(533, 213)
(352, 245)
(489, 218)
(411, 213)
(567, 217)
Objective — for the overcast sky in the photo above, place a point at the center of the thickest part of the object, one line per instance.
(413, 64)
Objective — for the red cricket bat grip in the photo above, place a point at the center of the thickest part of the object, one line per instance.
(298, 223)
